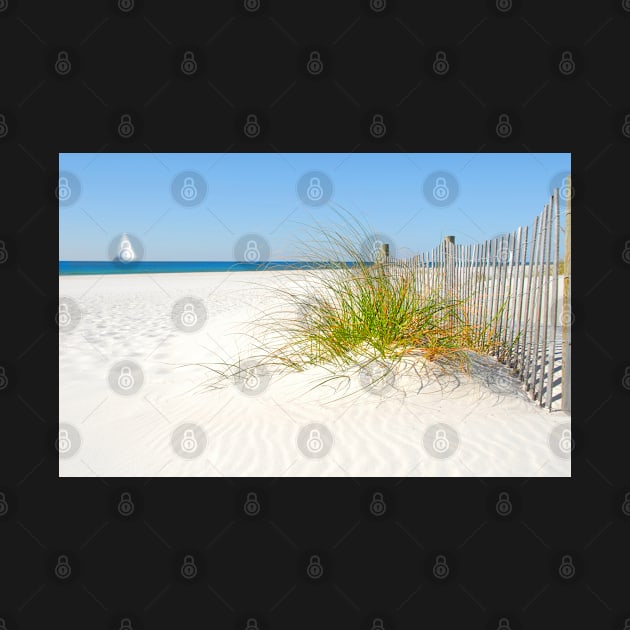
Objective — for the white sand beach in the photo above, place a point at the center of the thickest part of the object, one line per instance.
(169, 423)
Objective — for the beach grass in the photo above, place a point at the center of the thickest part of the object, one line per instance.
(351, 311)
(361, 311)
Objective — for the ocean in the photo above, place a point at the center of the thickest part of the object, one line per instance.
(104, 267)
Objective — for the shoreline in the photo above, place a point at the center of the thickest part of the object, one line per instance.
(184, 273)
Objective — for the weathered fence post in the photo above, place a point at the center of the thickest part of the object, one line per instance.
(383, 253)
(566, 303)
(382, 261)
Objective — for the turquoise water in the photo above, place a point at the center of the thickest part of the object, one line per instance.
(86, 267)
(106, 267)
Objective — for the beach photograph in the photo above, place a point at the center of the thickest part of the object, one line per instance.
(314, 315)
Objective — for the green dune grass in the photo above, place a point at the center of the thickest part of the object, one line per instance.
(362, 308)
(359, 313)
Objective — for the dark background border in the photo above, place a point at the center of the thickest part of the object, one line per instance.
(374, 61)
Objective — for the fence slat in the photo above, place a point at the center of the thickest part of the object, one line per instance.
(533, 340)
(504, 301)
(483, 289)
(497, 268)
(539, 293)
(553, 316)
(544, 368)
(520, 351)
(514, 274)
(486, 293)
(469, 280)
(566, 303)
(527, 344)
(474, 273)
(491, 281)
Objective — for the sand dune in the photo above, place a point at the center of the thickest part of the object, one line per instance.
(168, 423)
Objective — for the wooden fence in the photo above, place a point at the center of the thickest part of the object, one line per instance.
(510, 285)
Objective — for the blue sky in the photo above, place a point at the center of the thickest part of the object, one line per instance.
(259, 193)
